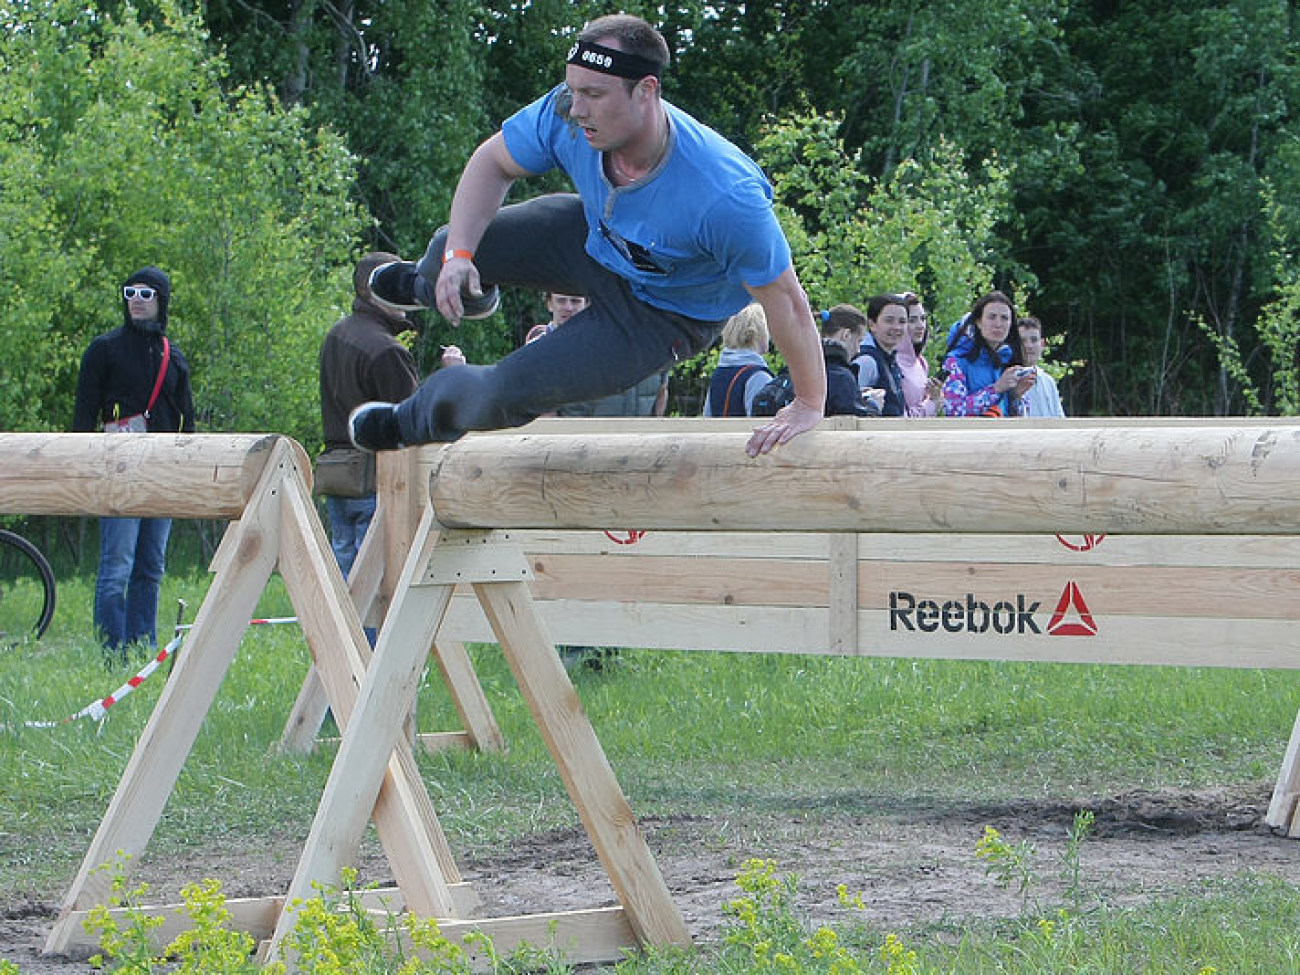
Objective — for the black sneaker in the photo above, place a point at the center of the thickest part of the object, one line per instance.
(373, 426)
(396, 286)
(480, 306)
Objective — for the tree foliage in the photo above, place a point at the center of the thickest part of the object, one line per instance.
(1129, 168)
(925, 227)
(123, 148)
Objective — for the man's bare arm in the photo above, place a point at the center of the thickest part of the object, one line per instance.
(483, 186)
(790, 321)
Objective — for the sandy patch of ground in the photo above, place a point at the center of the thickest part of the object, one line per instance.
(911, 862)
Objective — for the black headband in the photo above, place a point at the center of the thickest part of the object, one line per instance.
(608, 60)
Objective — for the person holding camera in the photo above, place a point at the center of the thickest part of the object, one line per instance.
(1044, 399)
(922, 393)
(986, 371)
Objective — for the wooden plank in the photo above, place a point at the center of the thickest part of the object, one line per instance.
(583, 937)
(140, 475)
(1149, 480)
(481, 729)
(1203, 641)
(462, 557)
(444, 741)
(1245, 551)
(305, 716)
(255, 916)
(402, 497)
(1110, 590)
(842, 569)
(366, 577)
(474, 556)
(722, 582)
(1246, 594)
(657, 625)
(739, 545)
(309, 708)
(1285, 802)
(467, 695)
(582, 764)
(390, 900)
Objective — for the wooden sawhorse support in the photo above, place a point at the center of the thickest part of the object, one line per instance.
(497, 570)
(277, 529)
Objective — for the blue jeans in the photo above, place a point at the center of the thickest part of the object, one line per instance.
(349, 520)
(132, 555)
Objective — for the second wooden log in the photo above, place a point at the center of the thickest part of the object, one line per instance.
(1012, 477)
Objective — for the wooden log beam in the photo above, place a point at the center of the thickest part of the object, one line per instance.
(1217, 478)
(134, 474)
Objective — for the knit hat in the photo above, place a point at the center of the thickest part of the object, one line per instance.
(150, 277)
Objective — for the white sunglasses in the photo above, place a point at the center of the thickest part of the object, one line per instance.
(144, 294)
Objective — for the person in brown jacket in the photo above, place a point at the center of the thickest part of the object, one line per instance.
(361, 359)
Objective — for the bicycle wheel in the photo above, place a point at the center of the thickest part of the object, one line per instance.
(27, 591)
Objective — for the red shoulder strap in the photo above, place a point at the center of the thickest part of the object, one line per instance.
(162, 372)
(726, 402)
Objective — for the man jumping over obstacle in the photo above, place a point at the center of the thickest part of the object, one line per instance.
(670, 233)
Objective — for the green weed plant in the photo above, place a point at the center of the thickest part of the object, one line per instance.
(333, 933)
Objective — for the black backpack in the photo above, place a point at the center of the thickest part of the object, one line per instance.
(778, 392)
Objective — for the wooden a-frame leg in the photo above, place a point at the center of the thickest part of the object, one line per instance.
(243, 567)
(1284, 809)
(371, 732)
(481, 728)
(582, 764)
(405, 821)
(467, 695)
(308, 711)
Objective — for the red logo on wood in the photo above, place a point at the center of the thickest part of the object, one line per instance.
(1088, 542)
(633, 536)
(1071, 616)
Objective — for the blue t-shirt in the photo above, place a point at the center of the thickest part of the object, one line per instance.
(690, 235)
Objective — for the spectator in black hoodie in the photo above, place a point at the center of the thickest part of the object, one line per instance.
(842, 328)
(133, 380)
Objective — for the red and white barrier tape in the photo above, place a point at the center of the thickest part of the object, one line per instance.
(96, 710)
(259, 622)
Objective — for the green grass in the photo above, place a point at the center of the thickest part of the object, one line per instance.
(718, 735)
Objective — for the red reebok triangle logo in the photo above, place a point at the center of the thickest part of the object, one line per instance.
(1071, 603)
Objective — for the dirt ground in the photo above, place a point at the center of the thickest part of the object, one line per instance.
(911, 862)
